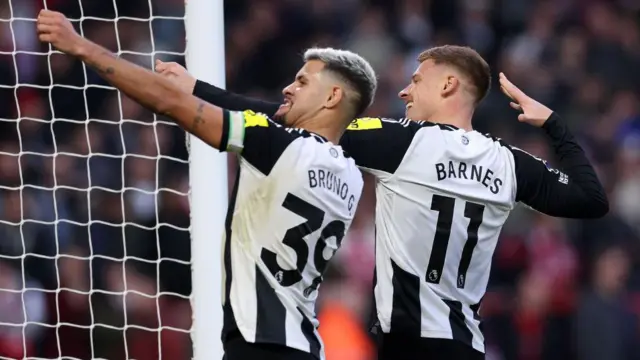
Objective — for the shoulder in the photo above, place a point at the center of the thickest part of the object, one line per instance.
(514, 150)
(494, 140)
(522, 159)
(304, 134)
(371, 123)
(380, 144)
(365, 123)
(262, 141)
(262, 129)
(508, 151)
(252, 119)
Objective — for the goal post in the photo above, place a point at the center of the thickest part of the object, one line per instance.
(205, 59)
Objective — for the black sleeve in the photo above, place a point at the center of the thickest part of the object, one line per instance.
(231, 101)
(572, 191)
(379, 144)
(256, 138)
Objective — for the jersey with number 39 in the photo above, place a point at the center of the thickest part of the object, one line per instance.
(294, 199)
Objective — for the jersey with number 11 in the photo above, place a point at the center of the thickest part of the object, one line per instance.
(442, 195)
(295, 197)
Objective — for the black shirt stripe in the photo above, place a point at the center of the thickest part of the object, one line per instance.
(271, 314)
(406, 310)
(459, 329)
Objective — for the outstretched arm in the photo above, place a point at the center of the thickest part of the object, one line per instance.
(378, 145)
(212, 94)
(232, 101)
(151, 90)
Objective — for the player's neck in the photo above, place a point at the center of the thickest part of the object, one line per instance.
(322, 125)
(458, 116)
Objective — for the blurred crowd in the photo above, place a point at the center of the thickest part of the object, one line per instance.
(93, 188)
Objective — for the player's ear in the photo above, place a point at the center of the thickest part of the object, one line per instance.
(449, 85)
(334, 97)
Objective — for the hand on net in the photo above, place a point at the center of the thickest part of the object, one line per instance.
(54, 28)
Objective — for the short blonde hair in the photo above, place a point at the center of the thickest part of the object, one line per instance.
(351, 68)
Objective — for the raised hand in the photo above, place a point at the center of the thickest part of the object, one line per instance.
(532, 112)
(54, 28)
(177, 74)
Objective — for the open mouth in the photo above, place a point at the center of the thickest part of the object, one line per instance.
(286, 105)
(409, 105)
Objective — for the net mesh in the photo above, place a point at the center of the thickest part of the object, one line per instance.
(94, 219)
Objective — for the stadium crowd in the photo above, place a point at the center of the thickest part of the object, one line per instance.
(559, 289)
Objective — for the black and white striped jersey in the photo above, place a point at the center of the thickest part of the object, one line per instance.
(294, 199)
(443, 195)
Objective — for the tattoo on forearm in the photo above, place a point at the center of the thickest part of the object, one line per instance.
(109, 70)
(198, 120)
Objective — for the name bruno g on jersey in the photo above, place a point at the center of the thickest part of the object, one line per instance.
(295, 197)
(325, 179)
(318, 178)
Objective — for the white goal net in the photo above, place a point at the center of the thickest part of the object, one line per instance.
(94, 211)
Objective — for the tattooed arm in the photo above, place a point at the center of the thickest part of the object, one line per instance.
(158, 94)
(151, 90)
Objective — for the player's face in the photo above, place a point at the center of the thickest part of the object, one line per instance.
(423, 94)
(304, 96)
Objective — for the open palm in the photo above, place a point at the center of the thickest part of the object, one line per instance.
(532, 112)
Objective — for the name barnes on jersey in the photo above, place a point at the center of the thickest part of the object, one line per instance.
(325, 179)
(460, 170)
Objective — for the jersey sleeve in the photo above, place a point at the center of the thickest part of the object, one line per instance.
(255, 137)
(571, 191)
(232, 101)
(379, 144)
